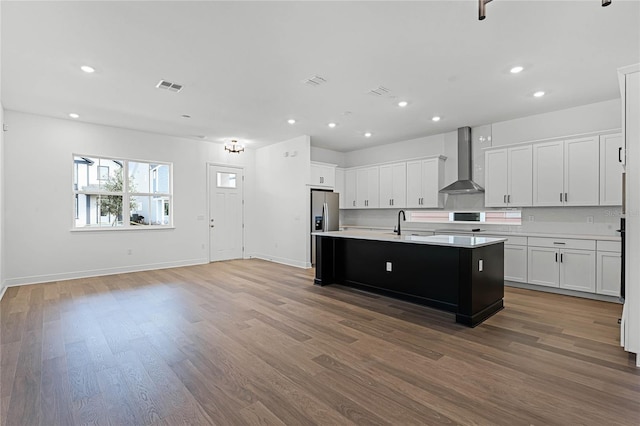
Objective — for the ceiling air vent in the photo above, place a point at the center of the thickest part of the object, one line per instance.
(167, 85)
(314, 81)
(379, 91)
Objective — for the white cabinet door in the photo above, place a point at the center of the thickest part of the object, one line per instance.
(350, 178)
(323, 175)
(399, 175)
(548, 174)
(515, 263)
(611, 170)
(495, 178)
(393, 190)
(414, 184)
(578, 270)
(340, 187)
(367, 188)
(543, 266)
(581, 172)
(386, 186)
(520, 176)
(608, 269)
(432, 181)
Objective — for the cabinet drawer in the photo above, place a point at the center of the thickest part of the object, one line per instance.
(614, 246)
(511, 239)
(562, 243)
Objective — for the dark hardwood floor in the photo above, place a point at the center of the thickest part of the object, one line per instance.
(253, 342)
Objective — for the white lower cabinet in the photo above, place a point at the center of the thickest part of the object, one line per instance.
(515, 257)
(562, 263)
(515, 263)
(543, 269)
(609, 268)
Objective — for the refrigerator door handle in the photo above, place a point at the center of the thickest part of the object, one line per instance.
(325, 217)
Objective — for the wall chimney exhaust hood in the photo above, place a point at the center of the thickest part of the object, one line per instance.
(464, 184)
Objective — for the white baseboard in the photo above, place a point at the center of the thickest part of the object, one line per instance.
(36, 279)
(565, 292)
(4, 289)
(282, 260)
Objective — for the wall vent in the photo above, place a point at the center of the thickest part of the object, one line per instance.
(315, 81)
(167, 85)
(379, 91)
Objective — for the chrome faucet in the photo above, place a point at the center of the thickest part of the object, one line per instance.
(397, 230)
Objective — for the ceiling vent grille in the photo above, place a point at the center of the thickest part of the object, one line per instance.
(379, 91)
(167, 85)
(315, 81)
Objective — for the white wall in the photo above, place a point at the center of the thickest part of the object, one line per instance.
(39, 202)
(283, 202)
(582, 119)
(324, 155)
(420, 147)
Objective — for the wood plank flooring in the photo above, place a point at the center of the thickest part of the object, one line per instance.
(250, 342)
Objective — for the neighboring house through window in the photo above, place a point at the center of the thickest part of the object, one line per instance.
(118, 193)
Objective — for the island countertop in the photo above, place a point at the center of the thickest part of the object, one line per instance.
(462, 241)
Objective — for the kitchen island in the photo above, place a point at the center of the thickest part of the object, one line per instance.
(460, 274)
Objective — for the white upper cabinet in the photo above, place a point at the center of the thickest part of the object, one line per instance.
(548, 174)
(424, 180)
(323, 174)
(340, 187)
(508, 177)
(582, 171)
(350, 189)
(393, 185)
(611, 169)
(566, 173)
(367, 187)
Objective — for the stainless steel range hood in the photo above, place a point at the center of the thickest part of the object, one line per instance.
(464, 184)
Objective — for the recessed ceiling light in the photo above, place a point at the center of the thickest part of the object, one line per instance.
(403, 104)
(539, 94)
(73, 115)
(291, 121)
(368, 135)
(516, 70)
(332, 125)
(435, 118)
(87, 69)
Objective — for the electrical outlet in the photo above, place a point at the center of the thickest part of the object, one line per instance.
(531, 218)
(388, 266)
(589, 219)
(480, 265)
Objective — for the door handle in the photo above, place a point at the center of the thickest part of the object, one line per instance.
(556, 256)
(509, 198)
(213, 226)
(504, 199)
(560, 257)
(561, 197)
(620, 155)
(565, 197)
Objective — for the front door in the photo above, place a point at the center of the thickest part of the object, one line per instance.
(226, 213)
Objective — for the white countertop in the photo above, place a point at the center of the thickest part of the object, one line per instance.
(486, 231)
(462, 241)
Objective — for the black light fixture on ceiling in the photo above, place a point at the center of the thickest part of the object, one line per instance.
(234, 147)
(482, 7)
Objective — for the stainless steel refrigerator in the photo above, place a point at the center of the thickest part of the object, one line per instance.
(324, 215)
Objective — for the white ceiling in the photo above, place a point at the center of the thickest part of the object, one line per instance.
(242, 64)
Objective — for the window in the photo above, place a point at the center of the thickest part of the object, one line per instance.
(115, 193)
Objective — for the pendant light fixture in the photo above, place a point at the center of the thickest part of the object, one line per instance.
(234, 147)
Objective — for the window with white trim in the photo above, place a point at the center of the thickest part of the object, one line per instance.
(118, 193)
